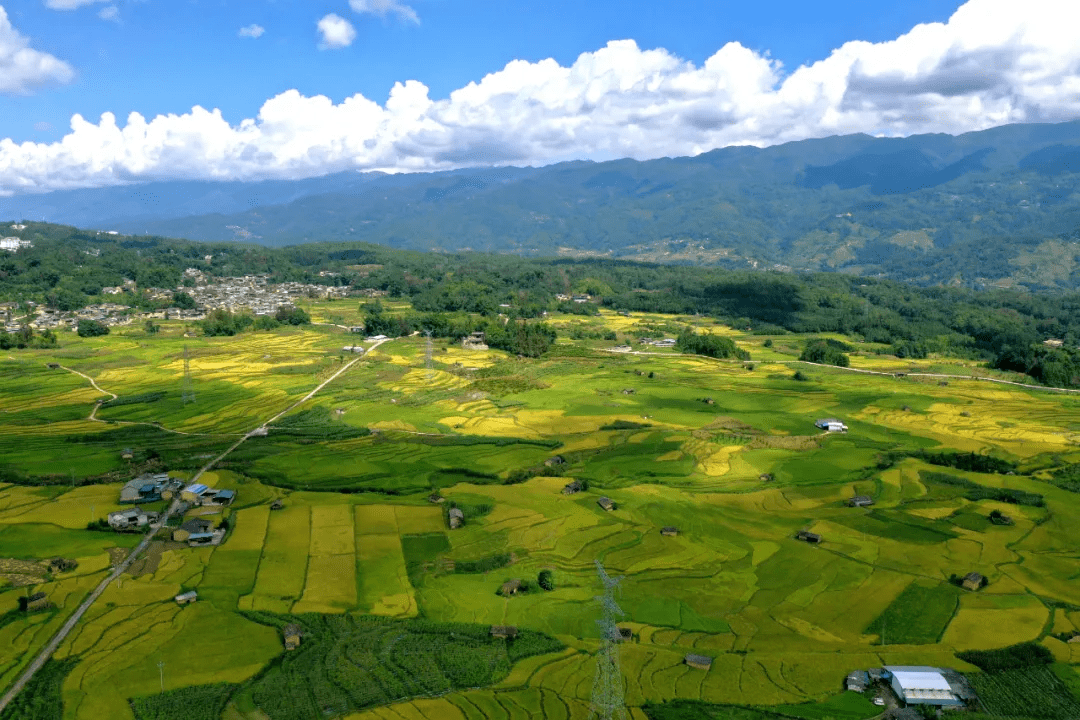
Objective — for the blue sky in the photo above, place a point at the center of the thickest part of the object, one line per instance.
(165, 56)
(317, 86)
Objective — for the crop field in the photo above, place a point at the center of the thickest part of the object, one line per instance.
(727, 455)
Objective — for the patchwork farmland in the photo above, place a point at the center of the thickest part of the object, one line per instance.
(342, 516)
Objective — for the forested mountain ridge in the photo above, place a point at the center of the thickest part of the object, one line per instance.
(992, 208)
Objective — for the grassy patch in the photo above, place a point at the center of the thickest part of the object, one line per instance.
(1027, 692)
(41, 699)
(918, 615)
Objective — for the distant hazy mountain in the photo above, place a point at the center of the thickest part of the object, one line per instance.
(999, 206)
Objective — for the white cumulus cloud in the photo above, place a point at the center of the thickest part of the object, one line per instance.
(382, 8)
(252, 31)
(110, 13)
(22, 67)
(993, 62)
(336, 32)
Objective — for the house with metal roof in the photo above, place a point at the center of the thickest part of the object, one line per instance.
(921, 685)
(831, 425)
(193, 493)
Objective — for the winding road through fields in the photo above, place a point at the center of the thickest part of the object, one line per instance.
(65, 629)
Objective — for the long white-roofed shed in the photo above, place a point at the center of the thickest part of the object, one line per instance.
(921, 685)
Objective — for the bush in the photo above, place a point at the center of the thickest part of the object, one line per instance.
(546, 580)
(800, 376)
(1008, 658)
(288, 315)
(183, 301)
(92, 328)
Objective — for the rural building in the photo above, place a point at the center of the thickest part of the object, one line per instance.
(221, 497)
(571, 488)
(808, 536)
(456, 518)
(205, 538)
(606, 503)
(277, 505)
(148, 487)
(701, 662)
(475, 341)
(357, 349)
(375, 338)
(127, 454)
(553, 461)
(356, 329)
(625, 634)
(185, 598)
(504, 631)
(194, 526)
(510, 587)
(831, 425)
(53, 366)
(292, 635)
(857, 681)
(973, 581)
(861, 501)
(669, 531)
(37, 601)
(921, 685)
(765, 477)
(435, 497)
(193, 493)
(134, 518)
(1053, 343)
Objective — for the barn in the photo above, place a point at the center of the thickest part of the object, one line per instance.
(921, 685)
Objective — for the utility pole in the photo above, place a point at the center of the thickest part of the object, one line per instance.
(161, 672)
(608, 701)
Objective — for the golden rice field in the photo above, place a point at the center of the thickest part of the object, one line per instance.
(738, 476)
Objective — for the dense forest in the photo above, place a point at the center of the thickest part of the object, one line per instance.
(68, 268)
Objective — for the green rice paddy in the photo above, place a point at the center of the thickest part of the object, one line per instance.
(728, 456)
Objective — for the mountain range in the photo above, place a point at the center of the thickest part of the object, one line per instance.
(998, 207)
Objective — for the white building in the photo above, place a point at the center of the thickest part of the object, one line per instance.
(921, 685)
(14, 244)
(831, 425)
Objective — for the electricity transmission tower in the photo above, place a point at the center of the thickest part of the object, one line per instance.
(608, 702)
(188, 395)
(427, 358)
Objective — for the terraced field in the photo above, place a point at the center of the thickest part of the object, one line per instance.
(726, 454)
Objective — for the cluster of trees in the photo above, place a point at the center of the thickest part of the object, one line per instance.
(826, 352)
(709, 345)
(25, 337)
(518, 336)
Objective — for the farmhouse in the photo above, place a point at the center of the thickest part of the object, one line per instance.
(606, 503)
(921, 685)
(184, 598)
(553, 461)
(701, 662)
(193, 493)
(357, 349)
(205, 538)
(474, 341)
(624, 634)
(148, 487)
(456, 518)
(510, 587)
(973, 581)
(571, 488)
(504, 631)
(435, 497)
(861, 501)
(831, 425)
(277, 505)
(808, 536)
(127, 454)
(134, 518)
(669, 531)
(194, 526)
(292, 635)
(37, 601)
(857, 681)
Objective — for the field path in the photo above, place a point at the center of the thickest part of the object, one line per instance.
(68, 626)
(978, 378)
(94, 418)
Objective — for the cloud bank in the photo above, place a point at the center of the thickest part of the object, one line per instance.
(994, 62)
(252, 31)
(22, 67)
(382, 8)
